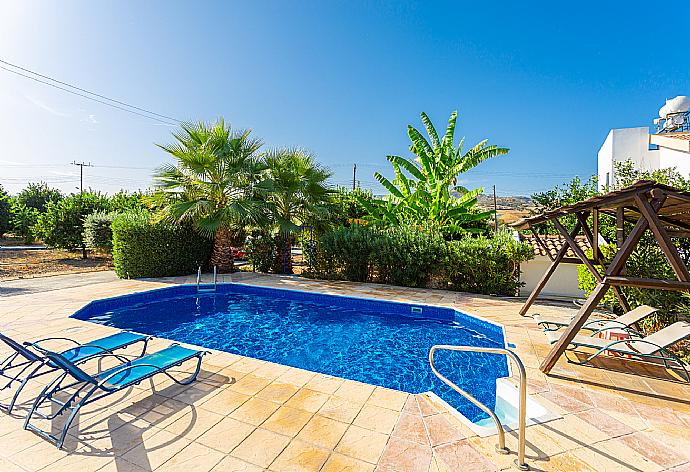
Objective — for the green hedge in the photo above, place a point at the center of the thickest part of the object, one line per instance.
(486, 265)
(144, 248)
(98, 233)
(415, 258)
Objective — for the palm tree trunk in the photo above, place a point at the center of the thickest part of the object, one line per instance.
(283, 254)
(221, 256)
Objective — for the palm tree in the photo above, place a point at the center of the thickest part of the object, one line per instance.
(212, 184)
(296, 191)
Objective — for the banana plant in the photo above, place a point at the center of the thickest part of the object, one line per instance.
(423, 191)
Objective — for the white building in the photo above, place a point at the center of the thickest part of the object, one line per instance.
(668, 147)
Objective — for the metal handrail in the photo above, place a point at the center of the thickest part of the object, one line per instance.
(501, 447)
(215, 279)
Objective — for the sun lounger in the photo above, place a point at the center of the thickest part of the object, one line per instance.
(77, 388)
(625, 321)
(655, 346)
(28, 360)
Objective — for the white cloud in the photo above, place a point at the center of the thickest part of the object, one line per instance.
(40, 104)
(92, 119)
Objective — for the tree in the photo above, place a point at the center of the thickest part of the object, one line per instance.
(5, 217)
(38, 196)
(571, 192)
(296, 193)
(62, 223)
(425, 190)
(212, 184)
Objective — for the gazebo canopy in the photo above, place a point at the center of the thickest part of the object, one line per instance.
(662, 209)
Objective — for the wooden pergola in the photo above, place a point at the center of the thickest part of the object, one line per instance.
(663, 210)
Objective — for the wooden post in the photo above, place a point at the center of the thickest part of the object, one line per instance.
(614, 269)
(582, 218)
(595, 234)
(577, 250)
(620, 226)
(547, 275)
(663, 239)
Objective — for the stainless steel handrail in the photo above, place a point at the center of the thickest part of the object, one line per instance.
(215, 280)
(501, 447)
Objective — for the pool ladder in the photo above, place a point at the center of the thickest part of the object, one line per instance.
(501, 447)
(199, 287)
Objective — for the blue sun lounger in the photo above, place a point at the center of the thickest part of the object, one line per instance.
(28, 360)
(85, 388)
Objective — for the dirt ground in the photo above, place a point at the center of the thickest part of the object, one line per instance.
(39, 262)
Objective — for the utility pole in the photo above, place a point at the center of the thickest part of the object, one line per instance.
(81, 173)
(495, 212)
(354, 176)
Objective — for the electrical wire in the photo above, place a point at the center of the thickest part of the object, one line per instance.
(90, 98)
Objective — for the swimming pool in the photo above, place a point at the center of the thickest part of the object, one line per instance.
(378, 342)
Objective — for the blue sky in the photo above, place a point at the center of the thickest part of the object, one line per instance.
(342, 79)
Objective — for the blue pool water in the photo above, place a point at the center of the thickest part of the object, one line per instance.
(377, 342)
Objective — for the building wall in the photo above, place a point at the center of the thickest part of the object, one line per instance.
(563, 282)
(673, 158)
(622, 145)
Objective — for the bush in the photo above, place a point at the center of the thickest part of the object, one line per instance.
(407, 256)
(98, 233)
(62, 224)
(146, 248)
(416, 258)
(23, 220)
(647, 261)
(5, 215)
(346, 253)
(486, 265)
(38, 196)
(261, 251)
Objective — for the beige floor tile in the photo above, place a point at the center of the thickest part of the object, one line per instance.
(307, 400)
(249, 384)
(411, 428)
(323, 432)
(387, 398)
(261, 447)
(340, 463)
(155, 450)
(277, 392)
(194, 457)
(225, 402)
(287, 421)
(341, 409)
(324, 383)
(192, 425)
(400, 454)
(232, 464)
(300, 456)
(377, 418)
(441, 430)
(362, 444)
(226, 435)
(254, 411)
(356, 392)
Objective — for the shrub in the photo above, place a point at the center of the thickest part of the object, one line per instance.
(62, 224)
(407, 256)
(23, 220)
(647, 261)
(416, 258)
(123, 201)
(261, 251)
(98, 233)
(347, 252)
(488, 265)
(38, 196)
(146, 248)
(5, 215)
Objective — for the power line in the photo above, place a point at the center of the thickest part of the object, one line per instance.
(89, 92)
(91, 98)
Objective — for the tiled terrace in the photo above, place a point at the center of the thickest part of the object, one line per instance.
(246, 414)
